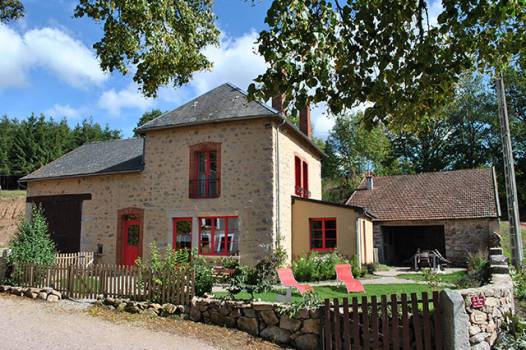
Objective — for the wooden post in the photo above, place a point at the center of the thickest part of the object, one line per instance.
(31, 272)
(70, 284)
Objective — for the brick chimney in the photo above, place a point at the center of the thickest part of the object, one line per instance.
(369, 180)
(305, 121)
(277, 103)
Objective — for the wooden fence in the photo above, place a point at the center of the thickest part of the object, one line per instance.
(81, 259)
(118, 281)
(394, 323)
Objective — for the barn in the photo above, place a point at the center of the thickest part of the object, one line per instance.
(451, 211)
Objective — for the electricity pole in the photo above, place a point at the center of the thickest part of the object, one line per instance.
(509, 176)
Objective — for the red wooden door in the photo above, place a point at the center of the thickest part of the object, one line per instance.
(131, 241)
(182, 236)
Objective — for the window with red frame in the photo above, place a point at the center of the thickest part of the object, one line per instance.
(323, 234)
(204, 171)
(219, 235)
(301, 177)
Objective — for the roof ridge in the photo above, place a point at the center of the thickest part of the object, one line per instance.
(108, 141)
(432, 172)
(262, 104)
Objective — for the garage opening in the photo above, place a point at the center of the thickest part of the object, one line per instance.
(63, 214)
(402, 242)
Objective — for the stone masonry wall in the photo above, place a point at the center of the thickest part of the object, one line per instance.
(462, 236)
(265, 320)
(248, 188)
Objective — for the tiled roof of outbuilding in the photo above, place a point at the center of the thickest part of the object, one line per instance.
(440, 195)
(116, 156)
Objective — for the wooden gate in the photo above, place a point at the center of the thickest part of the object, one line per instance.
(385, 323)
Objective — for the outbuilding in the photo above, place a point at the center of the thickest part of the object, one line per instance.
(453, 212)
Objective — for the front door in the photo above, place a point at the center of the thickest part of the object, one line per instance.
(131, 239)
(182, 237)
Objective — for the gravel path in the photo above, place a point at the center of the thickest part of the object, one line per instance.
(26, 324)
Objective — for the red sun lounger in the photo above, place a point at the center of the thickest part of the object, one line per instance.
(344, 274)
(287, 279)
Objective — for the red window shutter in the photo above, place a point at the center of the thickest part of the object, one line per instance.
(297, 185)
(306, 180)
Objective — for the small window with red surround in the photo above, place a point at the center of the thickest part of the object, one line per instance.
(301, 177)
(219, 235)
(205, 170)
(322, 234)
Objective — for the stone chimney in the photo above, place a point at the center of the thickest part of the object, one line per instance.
(369, 180)
(305, 121)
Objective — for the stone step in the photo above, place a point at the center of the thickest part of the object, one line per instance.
(495, 251)
(498, 260)
(499, 269)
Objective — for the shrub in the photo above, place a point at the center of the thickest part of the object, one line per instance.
(513, 333)
(320, 267)
(229, 262)
(204, 280)
(32, 243)
(477, 271)
(519, 283)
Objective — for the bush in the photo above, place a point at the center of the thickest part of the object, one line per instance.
(477, 271)
(320, 267)
(513, 333)
(32, 243)
(204, 280)
(519, 283)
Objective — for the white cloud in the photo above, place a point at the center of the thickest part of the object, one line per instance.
(64, 111)
(235, 61)
(48, 48)
(434, 9)
(114, 101)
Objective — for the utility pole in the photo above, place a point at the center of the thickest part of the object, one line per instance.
(509, 176)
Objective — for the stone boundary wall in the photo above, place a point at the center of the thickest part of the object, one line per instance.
(266, 320)
(485, 321)
(47, 294)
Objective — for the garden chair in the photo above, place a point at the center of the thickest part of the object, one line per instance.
(286, 277)
(344, 274)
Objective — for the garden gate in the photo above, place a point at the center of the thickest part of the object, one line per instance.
(394, 323)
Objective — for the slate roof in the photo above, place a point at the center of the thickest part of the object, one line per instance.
(457, 194)
(96, 158)
(225, 102)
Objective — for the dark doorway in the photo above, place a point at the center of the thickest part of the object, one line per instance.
(63, 215)
(402, 242)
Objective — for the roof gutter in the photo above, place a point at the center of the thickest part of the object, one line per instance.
(23, 180)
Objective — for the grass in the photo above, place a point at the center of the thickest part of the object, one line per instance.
(340, 292)
(450, 278)
(506, 246)
(12, 193)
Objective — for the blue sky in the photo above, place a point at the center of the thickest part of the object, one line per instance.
(47, 65)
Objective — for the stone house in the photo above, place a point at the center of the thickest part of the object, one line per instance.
(452, 211)
(219, 173)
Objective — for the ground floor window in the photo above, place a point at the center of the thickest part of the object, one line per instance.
(322, 234)
(219, 235)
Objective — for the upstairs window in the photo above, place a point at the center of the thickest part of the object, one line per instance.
(322, 234)
(205, 170)
(301, 176)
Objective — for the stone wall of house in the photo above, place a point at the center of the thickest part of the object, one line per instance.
(462, 236)
(289, 147)
(265, 320)
(248, 188)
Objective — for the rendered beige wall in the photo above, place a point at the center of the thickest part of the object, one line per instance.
(346, 219)
(289, 146)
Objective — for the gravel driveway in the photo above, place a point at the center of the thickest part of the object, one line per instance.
(26, 324)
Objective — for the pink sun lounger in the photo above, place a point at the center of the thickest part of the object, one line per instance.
(287, 279)
(344, 274)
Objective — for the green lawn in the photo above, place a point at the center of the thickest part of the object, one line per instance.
(450, 278)
(14, 193)
(340, 291)
(504, 232)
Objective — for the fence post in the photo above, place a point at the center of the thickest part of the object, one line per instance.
(69, 288)
(31, 273)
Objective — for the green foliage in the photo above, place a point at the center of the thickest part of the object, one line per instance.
(31, 243)
(519, 283)
(513, 333)
(229, 262)
(204, 281)
(383, 53)
(432, 279)
(11, 10)
(163, 39)
(309, 300)
(26, 145)
(146, 117)
(321, 267)
(477, 271)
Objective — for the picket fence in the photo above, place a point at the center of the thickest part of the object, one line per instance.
(117, 281)
(398, 322)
